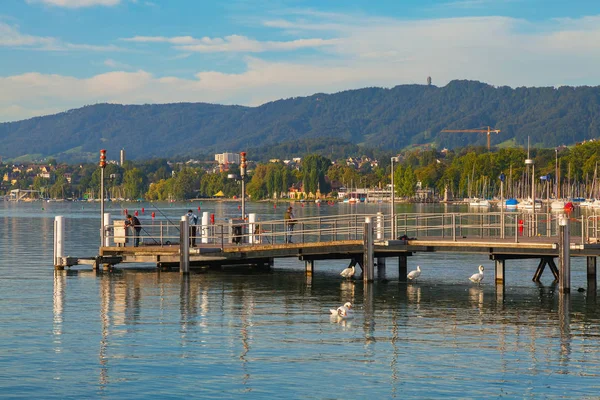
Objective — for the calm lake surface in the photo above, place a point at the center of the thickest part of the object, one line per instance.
(138, 333)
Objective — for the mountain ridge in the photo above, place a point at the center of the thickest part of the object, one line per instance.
(382, 118)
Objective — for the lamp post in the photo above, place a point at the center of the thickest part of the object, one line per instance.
(556, 173)
(502, 178)
(393, 224)
(243, 176)
(102, 166)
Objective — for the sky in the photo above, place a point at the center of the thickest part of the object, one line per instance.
(57, 55)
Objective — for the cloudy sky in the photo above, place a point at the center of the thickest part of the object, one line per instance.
(57, 55)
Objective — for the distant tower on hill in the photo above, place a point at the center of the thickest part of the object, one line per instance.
(122, 160)
(428, 81)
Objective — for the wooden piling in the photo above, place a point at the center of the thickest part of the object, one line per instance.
(402, 268)
(500, 266)
(309, 266)
(368, 251)
(564, 282)
(591, 274)
(184, 246)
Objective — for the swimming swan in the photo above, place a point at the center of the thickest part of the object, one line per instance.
(477, 278)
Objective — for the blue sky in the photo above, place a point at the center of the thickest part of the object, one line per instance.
(62, 54)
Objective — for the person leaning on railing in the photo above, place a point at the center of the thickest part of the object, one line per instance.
(134, 222)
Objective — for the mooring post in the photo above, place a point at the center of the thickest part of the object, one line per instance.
(252, 228)
(500, 264)
(591, 274)
(59, 234)
(107, 230)
(380, 222)
(368, 250)
(402, 268)
(564, 280)
(309, 266)
(184, 245)
(205, 226)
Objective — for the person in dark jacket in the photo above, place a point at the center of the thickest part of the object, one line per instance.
(136, 225)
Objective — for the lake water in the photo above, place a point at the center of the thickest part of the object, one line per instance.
(138, 333)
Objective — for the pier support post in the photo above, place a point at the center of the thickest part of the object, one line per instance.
(500, 265)
(564, 281)
(402, 268)
(591, 274)
(369, 268)
(184, 246)
(59, 234)
(309, 266)
(380, 268)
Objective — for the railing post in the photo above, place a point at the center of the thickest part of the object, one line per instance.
(453, 227)
(582, 229)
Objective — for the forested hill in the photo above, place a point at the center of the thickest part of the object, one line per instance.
(374, 117)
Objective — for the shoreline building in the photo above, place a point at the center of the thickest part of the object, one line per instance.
(227, 158)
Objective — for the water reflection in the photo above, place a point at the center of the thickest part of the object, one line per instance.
(239, 318)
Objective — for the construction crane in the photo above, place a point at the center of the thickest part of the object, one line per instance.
(488, 131)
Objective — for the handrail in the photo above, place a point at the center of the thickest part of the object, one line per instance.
(351, 227)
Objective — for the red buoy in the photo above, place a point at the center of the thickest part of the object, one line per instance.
(212, 219)
(198, 208)
(143, 210)
(153, 215)
(136, 213)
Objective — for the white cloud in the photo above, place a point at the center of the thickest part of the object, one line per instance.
(232, 43)
(109, 62)
(363, 52)
(76, 3)
(10, 36)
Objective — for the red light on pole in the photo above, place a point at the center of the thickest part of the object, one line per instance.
(102, 158)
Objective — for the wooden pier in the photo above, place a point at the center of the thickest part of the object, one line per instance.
(365, 240)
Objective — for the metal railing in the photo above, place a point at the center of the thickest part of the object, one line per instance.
(450, 226)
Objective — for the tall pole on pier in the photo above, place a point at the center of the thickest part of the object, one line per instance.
(102, 166)
(393, 223)
(502, 179)
(243, 176)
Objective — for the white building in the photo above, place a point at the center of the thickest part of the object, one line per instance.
(228, 158)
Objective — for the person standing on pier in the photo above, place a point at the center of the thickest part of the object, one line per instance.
(134, 222)
(289, 221)
(193, 221)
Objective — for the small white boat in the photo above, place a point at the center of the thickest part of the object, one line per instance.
(476, 202)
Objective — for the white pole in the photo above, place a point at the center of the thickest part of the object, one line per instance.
(205, 228)
(59, 234)
(379, 226)
(251, 227)
(393, 223)
(106, 227)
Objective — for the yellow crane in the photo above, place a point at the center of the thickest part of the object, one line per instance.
(488, 131)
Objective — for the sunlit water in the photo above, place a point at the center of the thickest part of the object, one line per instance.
(142, 333)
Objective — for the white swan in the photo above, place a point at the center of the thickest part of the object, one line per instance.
(348, 272)
(477, 278)
(344, 311)
(414, 274)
